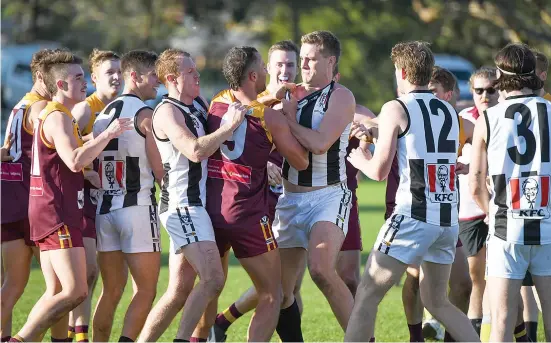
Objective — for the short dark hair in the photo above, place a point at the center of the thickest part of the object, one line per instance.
(542, 63)
(55, 67)
(284, 45)
(237, 63)
(137, 60)
(329, 43)
(444, 77)
(416, 58)
(517, 66)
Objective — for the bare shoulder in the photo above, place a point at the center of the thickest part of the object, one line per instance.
(342, 93)
(364, 111)
(393, 110)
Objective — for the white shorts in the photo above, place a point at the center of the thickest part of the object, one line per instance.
(296, 214)
(412, 241)
(511, 261)
(187, 225)
(131, 229)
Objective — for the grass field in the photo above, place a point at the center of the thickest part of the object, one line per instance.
(318, 322)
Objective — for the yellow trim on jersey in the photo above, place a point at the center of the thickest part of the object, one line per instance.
(462, 137)
(547, 96)
(96, 106)
(54, 106)
(256, 109)
(32, 98)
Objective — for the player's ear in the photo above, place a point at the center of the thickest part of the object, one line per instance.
(171, 78)
(253, 75)
(94, 78)
(134, 76)
(61, 84)
(404, 75)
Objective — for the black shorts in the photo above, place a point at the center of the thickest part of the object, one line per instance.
(528, 280)
(473, 234)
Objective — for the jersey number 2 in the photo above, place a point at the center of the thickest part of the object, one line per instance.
(113, 144)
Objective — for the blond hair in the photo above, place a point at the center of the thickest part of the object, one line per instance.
(416, 58)
(167, 63)
(37, 62)
(97, 57)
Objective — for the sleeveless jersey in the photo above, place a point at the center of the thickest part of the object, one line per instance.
(520, 172)
(468, 209)
(237, 183)
(427, 154)
(16, 173)
(91, 193)
(96, 106)
(124, 169)
(56, 193)
(184, 181)
(328, 168)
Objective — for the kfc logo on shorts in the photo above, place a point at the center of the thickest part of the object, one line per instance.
(529, 197)
(441, 178)
(113, 179)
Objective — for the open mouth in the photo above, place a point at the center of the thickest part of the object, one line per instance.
(283, 79)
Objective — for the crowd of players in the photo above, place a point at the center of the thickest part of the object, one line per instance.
(79, 175)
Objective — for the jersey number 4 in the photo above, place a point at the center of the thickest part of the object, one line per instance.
(445, 145)
(523, 130)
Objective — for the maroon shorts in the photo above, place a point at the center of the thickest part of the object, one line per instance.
(17, 230)
(89, 227)
(459, 244)
(353, 240)
(247, 242)
(62, 238)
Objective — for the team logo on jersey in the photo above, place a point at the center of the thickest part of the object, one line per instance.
(113, 179)
(195, 122)
(530, 197)
(229, 171)
(36, 187)
(12, 171)
(441, 179)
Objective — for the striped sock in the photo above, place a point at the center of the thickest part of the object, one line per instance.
(226, 318)
(485, 328)
(197, 339)
(71, 333)
(81, 333)
(520, 333)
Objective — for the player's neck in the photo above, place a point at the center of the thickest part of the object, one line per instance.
(245, 96)
(106, 98)
(183, 98)
(412, 88)
(65, 101)
(524, 91)
(312, 87)
(540, 92)
(40, 90)
(132, 91)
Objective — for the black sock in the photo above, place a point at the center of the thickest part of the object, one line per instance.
(180, 340)
(532, 330)
(6, 339)
(288, 327)
(125, 339)
(477, 323)
(448, 337)
(58, 339)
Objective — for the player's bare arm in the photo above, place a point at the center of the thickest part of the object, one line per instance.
(82, 113)
(144, 123)
(339, 114)
(173, 125)
(58, 129)
(479, 165)
(287, 144)
(377, 167)
(33, 112)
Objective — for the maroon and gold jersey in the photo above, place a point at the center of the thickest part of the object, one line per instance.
(15, 174)
(56, 193)
(237, 184)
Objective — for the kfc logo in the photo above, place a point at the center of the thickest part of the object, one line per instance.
(529, 197)
(441, 179)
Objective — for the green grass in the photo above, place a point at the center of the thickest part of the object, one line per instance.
(318, 322)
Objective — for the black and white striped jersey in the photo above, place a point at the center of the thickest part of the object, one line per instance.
(184, 181)
(427, 154)
(124, 169)
(326, 169)
(519, 166)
